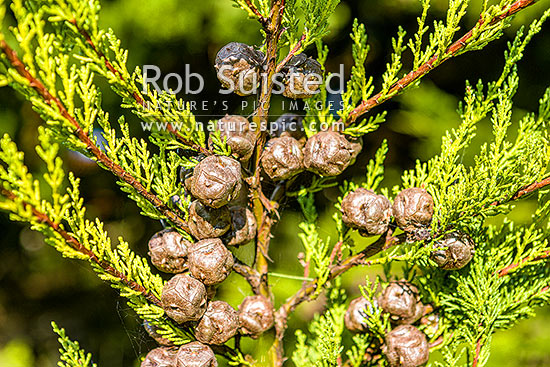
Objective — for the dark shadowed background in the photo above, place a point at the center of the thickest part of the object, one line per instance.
(37, 285)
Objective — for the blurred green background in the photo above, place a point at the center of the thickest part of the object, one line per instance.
(37, 285)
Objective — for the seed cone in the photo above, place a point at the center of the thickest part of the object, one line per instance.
(210, 261)
(362, 209)
(216, 181)
(160, 357)
(218, 325)
(402, 301)
(327, 153)
(413, 209)
(406, 346)
(195, 355)
(282, 158)
(206, 222)
(355, 315)
(289, 124)
(255, 316)
(303, 77)
(184, 299)
(240, 137)
(243, 226)
(238, 67)
(168, 251)
(455, 251)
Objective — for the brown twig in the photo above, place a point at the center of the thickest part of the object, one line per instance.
(249, 274)
(507, 270)
(135, 93)
(99, 155)
(76, 245)
(290, 54)
(436, 60)
(254, 9)
(478, 353)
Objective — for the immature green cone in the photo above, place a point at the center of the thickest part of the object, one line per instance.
(195, 355)
(362, 209)
(210, 261)
(216, 181)
(168, 251)
(160, 357)
(240, 137)
(184, 299)
(402, 301)
(238, 68)
(219, 324)
(206, 222)
(327, 153)
(282, 158)
(455, 251)
(406, 346)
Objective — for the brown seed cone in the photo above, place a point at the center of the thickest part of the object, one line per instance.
(406, 346)
(302, 79)
(160, 357)
(362, 209)
(240, 137)
(216, 181)
(282, 158)
(240, 66)
(327, 153)
(355, 315)
(206, 222)
(256, 316)
(184, 299)
(168, 251)
(402, 301)
(210, 261)
(152, 330)
(454, 252)
(195, 355)
(218, 325)
(413, 209)
(243, 226)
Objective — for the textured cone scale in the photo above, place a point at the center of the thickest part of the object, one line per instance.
(195, 355)
(406, 346)
(413, 209)
(255, 315)
(327, 153)
(243, 226)
(288, 124)
(454, 252)
(282, 158)
(218, 325)
(362, 209)
(168, 251)
(160, 357)
(152, 330)
(303, 77)
(240, 138)
(355, 315)
(240, 66)
(184, 299)
(210, 261)
(206, 222)
(216, 181)
(402, 301)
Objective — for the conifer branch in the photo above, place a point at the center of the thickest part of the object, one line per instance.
(91, 147)
(436, 60)
(76, 245)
